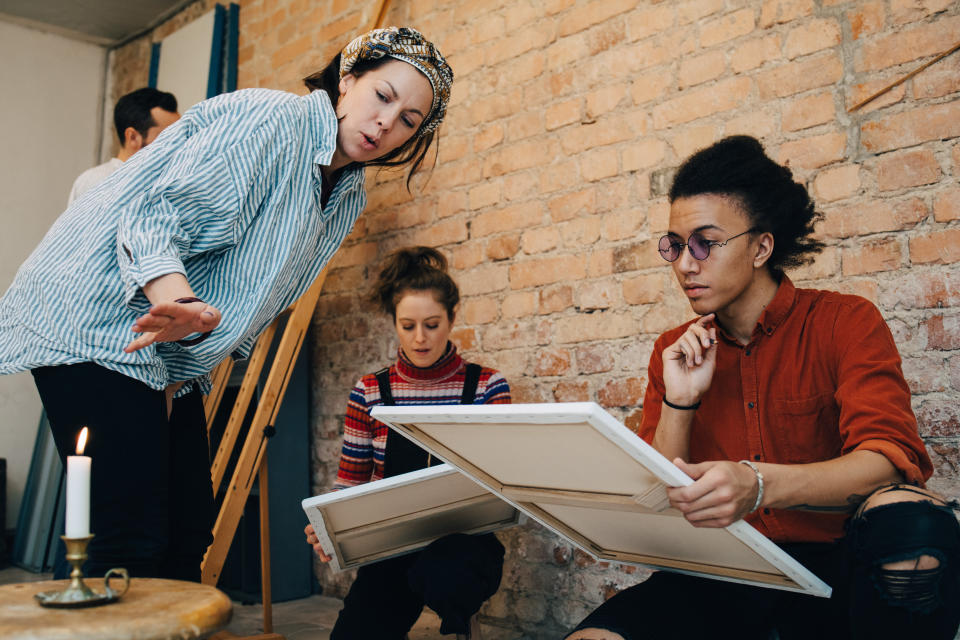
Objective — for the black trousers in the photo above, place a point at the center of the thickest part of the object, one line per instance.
(151, 497)
(863, 605)
(454, 576)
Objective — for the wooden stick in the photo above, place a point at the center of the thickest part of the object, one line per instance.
(265, 549)
(904, 78)
(381, 14)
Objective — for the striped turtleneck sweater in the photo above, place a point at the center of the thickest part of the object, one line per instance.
(364, 439)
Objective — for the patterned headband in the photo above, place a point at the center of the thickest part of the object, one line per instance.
(408, 45)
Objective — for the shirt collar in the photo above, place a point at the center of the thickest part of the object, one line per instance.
(323, 120)
(779, 308)
(448, 364)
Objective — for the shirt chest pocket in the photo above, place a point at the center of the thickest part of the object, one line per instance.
(805, 429)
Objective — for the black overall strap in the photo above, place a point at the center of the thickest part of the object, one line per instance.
(470, 383)
(400, 455)
(383, 381)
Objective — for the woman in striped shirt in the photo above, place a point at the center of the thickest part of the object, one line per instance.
(456, 574)
(213, 229)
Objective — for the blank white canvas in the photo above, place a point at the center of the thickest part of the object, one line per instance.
(185, 61)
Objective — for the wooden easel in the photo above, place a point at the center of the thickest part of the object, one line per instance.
(252, 461)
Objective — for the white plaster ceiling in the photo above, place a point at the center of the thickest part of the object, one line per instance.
(104, 22)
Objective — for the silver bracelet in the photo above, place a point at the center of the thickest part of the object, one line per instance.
(756, 505)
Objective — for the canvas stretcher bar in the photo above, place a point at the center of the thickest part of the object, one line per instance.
(581, 473)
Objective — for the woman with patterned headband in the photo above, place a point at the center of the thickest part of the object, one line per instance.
(196, 244)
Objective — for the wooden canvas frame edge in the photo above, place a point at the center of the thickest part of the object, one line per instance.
(312, 507)
(806, 582)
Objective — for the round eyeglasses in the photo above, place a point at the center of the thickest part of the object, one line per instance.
(670, 248)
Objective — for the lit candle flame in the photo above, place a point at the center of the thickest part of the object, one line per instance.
(81, 441)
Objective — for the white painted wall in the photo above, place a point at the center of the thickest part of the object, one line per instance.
(51, 91)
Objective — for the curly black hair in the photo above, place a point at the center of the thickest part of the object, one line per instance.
(414, 269)
(737, 167)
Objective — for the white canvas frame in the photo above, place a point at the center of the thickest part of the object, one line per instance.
(402, 514)
(579, 472)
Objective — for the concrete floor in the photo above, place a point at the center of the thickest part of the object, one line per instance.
(305, 619)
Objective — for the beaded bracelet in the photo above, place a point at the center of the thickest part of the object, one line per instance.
(756, 470)
(189, 342)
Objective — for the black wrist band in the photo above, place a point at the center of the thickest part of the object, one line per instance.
(189, 342)
(680, 407)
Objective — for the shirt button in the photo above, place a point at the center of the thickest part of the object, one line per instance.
(750, 404)
(747, 352)
(766, 512)
(769, 331)
(756, 457)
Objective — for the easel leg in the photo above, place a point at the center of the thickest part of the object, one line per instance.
(265, 548)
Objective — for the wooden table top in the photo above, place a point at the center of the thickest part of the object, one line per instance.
(153, 609)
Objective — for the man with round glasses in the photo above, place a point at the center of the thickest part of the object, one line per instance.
(787, 407)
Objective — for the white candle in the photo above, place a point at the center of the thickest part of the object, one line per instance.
(78, 491)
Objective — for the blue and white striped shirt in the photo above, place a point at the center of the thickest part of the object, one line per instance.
(229, 196)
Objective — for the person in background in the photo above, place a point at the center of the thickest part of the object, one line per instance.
(456, 574)
(788, 408)
(181, 258)
(139, 117)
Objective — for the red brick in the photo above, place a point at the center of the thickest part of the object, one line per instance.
(907, 45)
(814, 152)
(642, 154)
(512, 46)
(659, 216)
(453, 148)
(563, 113)
(595, 296)
(524, 125)
(559, 175)
(479, 310)
(837, 183)
(591, 14)
(467, 255)
(693, 10)
(604, 100)
(910, 128)
(579, 233)
(358, 254)
(488, 137)
(520, 155)
(520, 15)
(860, 92)
(519, 216)
(923, 290)
(645, 288)
(485, 278)
(863, 287)
(871, 257)
(551, 362)
(572, 391)
(938, 417)
(947, 206)
(907, 169)
(943, 332)
(519, 304)
(722, 96)
(825, 265)
(599, 163)
(733, 25)
(936, 246)
(754, 53)
(810, 73)
(587, 327)
(812, 36)
(650, 86)
(594, 358)
(621, 393)
(633, 420)
(759, 124)
(621, 225)
(587, 136)
(925, 373)
(540, 239)
(701, 68)
(555, 298)
(600, 263)
(503, 247)
(485, 194)
(903, 11)
(534, 273)
(939, 80)
(873, 217)
(638, 255)
(692, 139)
(520, 186)
(808, 111)
(450, 203)
(865, 18)
(486, 28)
(571, 205)
(782, 11)
(650, 21)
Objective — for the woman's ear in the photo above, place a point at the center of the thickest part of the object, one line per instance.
(764, 249)
(346, 82)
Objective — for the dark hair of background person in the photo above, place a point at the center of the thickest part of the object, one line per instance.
(411, 152)
(766, 192)
(133, 110)
(414, 269)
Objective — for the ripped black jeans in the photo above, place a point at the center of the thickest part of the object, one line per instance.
(868, 601)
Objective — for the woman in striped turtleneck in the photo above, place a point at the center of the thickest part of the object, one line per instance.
(415, 289)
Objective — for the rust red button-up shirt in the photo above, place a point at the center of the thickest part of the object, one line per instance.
(820, 378)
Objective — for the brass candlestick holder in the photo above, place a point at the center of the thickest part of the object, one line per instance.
(77, 594)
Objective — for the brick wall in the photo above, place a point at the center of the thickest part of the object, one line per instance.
(567, 121)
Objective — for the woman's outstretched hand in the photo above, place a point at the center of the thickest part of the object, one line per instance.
(172, 321)
(314, 541)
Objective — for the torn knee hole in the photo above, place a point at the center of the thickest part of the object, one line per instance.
(916, 588)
